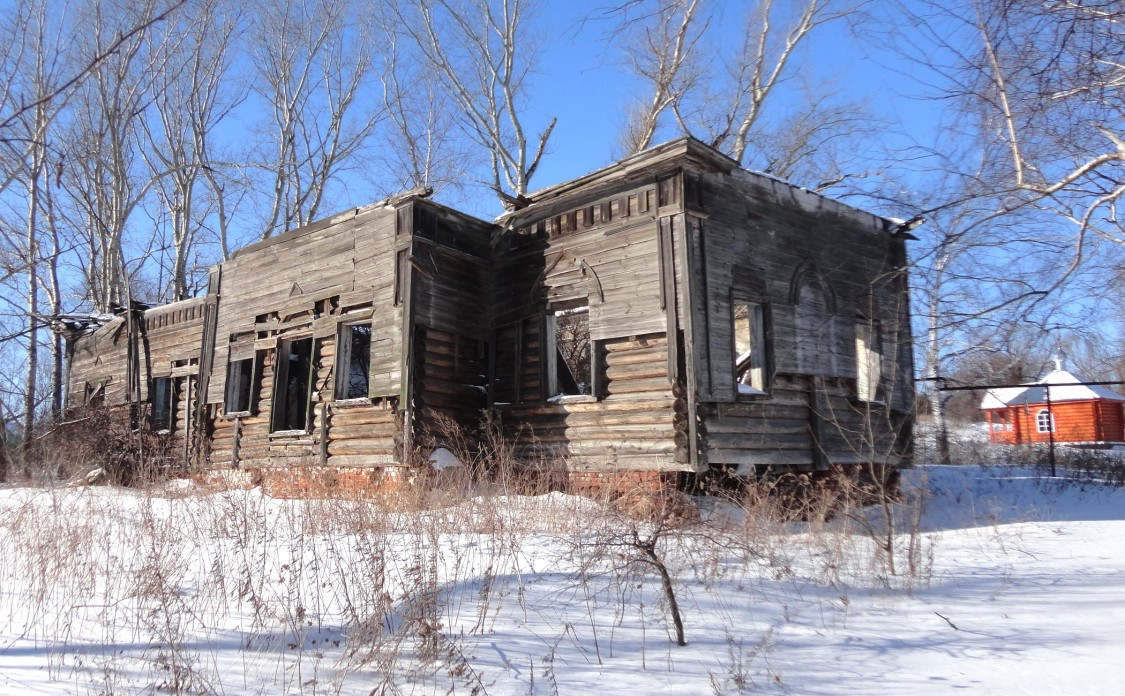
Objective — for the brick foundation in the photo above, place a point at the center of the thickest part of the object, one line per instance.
(312, 482)
(639, 494)
(619, 483)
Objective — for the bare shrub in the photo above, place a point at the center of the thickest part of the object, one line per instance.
(97, 437)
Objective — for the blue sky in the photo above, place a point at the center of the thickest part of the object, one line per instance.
(583, 80)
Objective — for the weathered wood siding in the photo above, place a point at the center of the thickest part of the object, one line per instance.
(598, 248)
(820, 268)
(653, 252)
(97, 361)
(452, 283)
(168, 341)
(309, 283)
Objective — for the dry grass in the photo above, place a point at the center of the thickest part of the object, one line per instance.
(161, 588)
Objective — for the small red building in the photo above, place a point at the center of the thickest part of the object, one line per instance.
(1075, 412)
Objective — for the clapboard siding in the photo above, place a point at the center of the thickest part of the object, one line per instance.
(349, 261)
(756, 240)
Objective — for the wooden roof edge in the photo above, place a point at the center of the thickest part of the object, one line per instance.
(179, 304)
(343, 216)
(685, 148)
(485, 225)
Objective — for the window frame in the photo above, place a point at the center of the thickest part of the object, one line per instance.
(255, 371)
(281, 376)
(760, 345)
(343, 365)
(1051, 426)
(165, 424)
(552, 357)
(817, 326)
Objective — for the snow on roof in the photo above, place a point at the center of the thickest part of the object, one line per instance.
(1065, 386)
(999, 398)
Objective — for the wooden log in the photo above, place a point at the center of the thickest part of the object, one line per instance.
(762, 458)
(620, 433)
(639, 385)
(361, 460)
(648, 370)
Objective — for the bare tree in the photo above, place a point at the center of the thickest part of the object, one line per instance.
(672, 45)
(1034, 137)
(312, 62)
(38, 71)
(104, 176)
(762, 62)
(482, 53)
(662, 47)
(14, 105)
(422, 146)
(190, 99)
(1042, 85)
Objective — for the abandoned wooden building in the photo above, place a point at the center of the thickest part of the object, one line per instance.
(671, 313)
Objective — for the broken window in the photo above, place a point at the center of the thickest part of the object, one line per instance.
(240, 385)
(353, 361)
(292, 384)
(160, 399)
(570, 370)
(95, 393)
(751, 349)
(869, 362)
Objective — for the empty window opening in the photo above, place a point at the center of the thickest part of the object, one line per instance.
(751, 357)
(95, 394)
(292, 384)
(353, 361)
(1045, 421)
(869, 362)
(240, 385)
(161, 400)
(570, 364)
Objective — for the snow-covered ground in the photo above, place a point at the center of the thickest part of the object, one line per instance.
(1010, 584)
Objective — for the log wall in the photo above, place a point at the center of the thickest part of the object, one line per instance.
(1075, 421)
(601, 249)
(658, 248)
(167, 339)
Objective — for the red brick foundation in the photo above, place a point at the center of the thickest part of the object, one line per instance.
(313, 482)
(618, 483)
(640, 494)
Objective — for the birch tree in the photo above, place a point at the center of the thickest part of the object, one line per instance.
(1024, 223)
(764, 59)
(421, 128)
(191, 98)
(313, 63)
(697, 83)
(37, 73)
(1049, 80)
(663, 49)
(482, 52)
